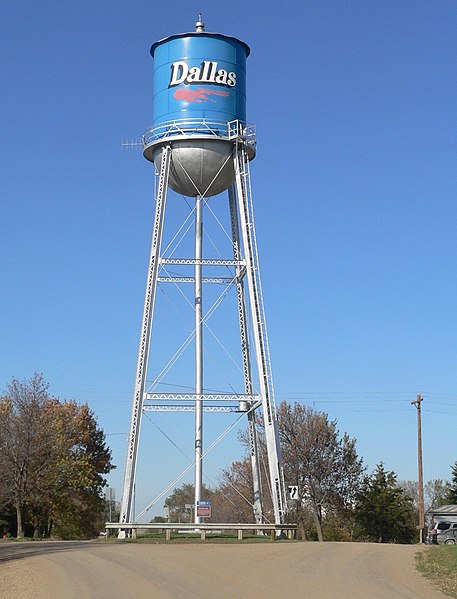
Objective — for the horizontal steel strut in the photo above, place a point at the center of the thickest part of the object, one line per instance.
(202, 262)
(202, 396)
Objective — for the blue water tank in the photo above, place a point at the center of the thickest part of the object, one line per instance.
(199, 75)
(199, 103)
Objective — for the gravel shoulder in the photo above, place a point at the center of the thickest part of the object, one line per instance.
(277, 570)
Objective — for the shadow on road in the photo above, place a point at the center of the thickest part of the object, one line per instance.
(13, 550)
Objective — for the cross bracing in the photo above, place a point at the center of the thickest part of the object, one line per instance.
(244, 277)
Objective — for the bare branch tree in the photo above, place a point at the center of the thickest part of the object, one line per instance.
(325, 466)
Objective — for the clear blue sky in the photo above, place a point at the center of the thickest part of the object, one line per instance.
(355, 194)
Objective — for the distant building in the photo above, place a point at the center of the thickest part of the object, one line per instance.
(445, 513)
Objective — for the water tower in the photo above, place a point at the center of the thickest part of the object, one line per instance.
(201, 146)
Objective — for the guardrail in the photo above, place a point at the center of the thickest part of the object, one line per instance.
(131, 528)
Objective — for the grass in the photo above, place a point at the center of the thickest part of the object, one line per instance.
(188, 537)
(439, 565)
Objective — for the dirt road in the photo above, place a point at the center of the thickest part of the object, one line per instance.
(210, 571)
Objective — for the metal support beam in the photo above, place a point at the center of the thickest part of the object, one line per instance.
(198, 354)
(143, 351)
(246, 358)
(244, 200)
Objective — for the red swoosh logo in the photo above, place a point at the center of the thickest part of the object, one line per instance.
(199, 94)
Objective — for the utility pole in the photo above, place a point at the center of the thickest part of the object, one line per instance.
(421, 525)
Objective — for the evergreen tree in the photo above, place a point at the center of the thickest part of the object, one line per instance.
(384, 510)
(452, 492)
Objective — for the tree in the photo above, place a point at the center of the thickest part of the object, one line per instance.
(452, 492)
(182, 496)
(325, 466)
(77, 481)
(231, 501)
(384, 510)
(436, 493)
(26, 446)
(7, 519)
(52, 457)
(411, 488)
(233, 498)
(177, 501)
(159, 520)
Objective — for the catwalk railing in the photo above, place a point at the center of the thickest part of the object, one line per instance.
(180, 128)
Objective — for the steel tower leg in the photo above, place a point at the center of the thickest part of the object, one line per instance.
(198, 354)
(252, 430)
(143, 351)
(260, 334)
